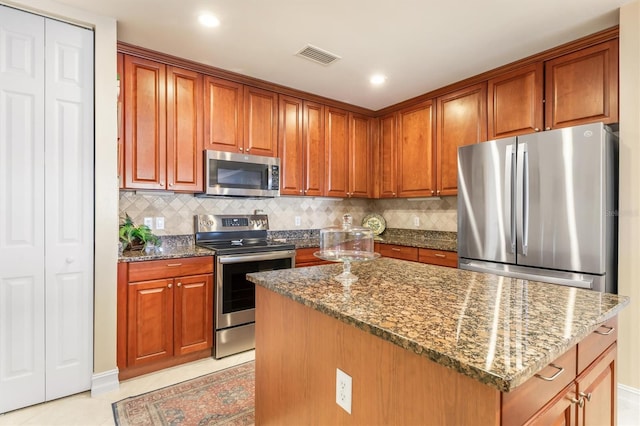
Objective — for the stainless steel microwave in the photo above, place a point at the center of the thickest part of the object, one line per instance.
(241, 175)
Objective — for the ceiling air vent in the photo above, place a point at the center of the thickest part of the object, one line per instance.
(318, 55)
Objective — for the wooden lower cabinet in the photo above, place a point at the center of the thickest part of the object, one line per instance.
(305, 257)
(166, 319)
(422, 255)
(397, 252)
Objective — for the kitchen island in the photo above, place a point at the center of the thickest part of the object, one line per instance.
(428, 345)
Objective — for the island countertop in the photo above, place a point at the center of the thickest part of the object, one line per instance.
(497, 330)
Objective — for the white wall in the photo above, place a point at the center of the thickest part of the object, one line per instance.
(629, 208)
(106, 182)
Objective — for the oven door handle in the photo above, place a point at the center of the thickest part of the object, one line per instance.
(239, 258)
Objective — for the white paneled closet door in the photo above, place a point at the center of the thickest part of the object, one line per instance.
(46, 209)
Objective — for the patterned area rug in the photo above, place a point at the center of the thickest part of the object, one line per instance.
(225, 397)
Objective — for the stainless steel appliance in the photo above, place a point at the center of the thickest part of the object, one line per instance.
(240, 246)
(542, 206)
(241, 175)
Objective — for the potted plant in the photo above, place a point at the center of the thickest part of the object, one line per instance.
(136, 237)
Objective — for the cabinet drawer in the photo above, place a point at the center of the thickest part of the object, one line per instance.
(595, 344)
(168, 268)
(438, 257)
(399, 252)
(522, 403)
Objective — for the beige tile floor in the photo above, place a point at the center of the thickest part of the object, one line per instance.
(83, 410)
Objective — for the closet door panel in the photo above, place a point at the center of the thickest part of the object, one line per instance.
(21, 209)
(69, 207)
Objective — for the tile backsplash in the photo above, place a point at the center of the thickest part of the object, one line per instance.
(438, 214)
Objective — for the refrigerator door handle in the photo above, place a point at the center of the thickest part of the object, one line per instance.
(522, 203)
(510, 199)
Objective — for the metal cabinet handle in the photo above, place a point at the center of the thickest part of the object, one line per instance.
(179, 284)
(578, 401)
(240, 149)
(440, 255)
(301, 191)
(605, 333)
(170, 265)
(395, 249)
(548, 128)
(393, 193)
(537, 129)
(170, 285)
(552, 378)
(586, 396)
(170, 184)
(248, 149)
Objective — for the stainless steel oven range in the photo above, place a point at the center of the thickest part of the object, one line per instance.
(240, 246)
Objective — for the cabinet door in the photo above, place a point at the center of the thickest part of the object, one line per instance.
(144, 123)
(582, 87)
(260, 122)
(387, 157)
(193, 313)
(561, 411)
(184, 130)
(359, 156)
(515, 102)
(336, 149)
(290, 146)
(149, 321)
(313, 136)
(462, 120)
(223, 114)
(597, 385)
(416, 133)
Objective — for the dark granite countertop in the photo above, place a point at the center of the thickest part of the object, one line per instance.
(164, 253)
(497, 330)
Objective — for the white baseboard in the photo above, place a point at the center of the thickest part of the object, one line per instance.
(104, 382)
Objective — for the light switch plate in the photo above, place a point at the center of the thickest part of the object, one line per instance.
(159, 222)
(149, 222)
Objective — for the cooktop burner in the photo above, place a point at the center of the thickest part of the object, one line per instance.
(227, 234)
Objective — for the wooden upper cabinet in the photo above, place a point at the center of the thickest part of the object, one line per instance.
(144, 124)
(120, 70)
(223, 115)
(387, 157)
(301, 147)
(260, 122)
(184, 130)
(360, 167)
(416, 133)
(290, 146)
(336, 149)
(582, 87)
(515, 102)
(313, 136)
(462, 120)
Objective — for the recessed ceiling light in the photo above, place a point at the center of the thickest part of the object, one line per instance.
(208, 20)
(377, 79)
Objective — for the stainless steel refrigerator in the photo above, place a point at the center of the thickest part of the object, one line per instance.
(542, 207)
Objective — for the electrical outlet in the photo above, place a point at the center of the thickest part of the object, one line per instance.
(343, 390)
(297, 220)
(416, 221)
(159, 222)
(149, 222)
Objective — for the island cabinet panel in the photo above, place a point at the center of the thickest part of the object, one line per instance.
(462, 120)
(582, 87)
(416, 151)
(592, 346)
(438, 257)
(387, 157)
(301, 147)
(260, 122)
(296, 376)
(223, 115)
(165, 313)
(145, 140)
(597, 386)
(514, 102)
(336, 151)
